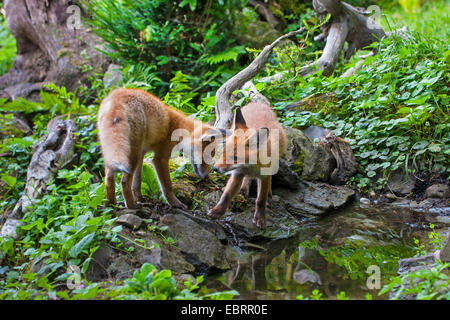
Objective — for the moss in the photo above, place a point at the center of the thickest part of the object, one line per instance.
(298, 164)
(239, 203)
(296, 7)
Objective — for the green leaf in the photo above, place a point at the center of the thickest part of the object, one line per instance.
(420, 145)
(434, 148)
(81, 245)
(10, 181)
(419, 100)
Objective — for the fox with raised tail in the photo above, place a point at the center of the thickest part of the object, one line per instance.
(252, 151)
(132, 122)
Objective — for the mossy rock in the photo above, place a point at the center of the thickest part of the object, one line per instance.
(256, 34)
(303, 160)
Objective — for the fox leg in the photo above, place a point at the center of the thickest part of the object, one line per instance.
(245, 186)
(127, 182)
(137, 181)
(231, 189)
(110, 186)
(269, 195)
(259, 219)
(162, 170)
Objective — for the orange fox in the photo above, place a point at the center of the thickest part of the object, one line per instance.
(133, 122)
(252, 151)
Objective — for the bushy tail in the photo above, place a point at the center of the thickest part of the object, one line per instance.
(114, 136)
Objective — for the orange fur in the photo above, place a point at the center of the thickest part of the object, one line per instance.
(252, 119)
(133, 122)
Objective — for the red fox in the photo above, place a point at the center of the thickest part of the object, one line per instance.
(133, 122)
(256, 123)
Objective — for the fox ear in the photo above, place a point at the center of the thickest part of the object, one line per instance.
(216, 133)
(239, 121)
(259, 138)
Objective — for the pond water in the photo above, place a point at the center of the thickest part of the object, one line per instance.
(331, 255)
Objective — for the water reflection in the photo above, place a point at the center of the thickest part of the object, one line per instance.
(331, 255)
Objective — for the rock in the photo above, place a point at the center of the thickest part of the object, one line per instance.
(441, 191)
(113, 76)
(201, 246)
(390, 195)
(130, 220)
(443, 219)
(101, 259)
(303, 160)
(364, 201)
(162, 256)
(141, 213)
(280, 224)
(327, 197)
(314, 132)
(184, 191)
(305, 275)
(442, 286)
(426, 204)
(314, 199)
(412, 264)
(444, 253)
(121, 268)
(210, 200)
(256, 34)
(400, 183)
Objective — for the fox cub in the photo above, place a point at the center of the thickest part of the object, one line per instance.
(133, 122)
(252, 151)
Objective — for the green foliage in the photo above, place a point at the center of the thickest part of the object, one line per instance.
(432, 284)
(54, 99)
(354, 256)
(394, 112)
(7, 47)
(149, 283)
(426, 284)
(188, 37)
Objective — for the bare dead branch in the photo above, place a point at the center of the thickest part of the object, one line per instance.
(224, 114)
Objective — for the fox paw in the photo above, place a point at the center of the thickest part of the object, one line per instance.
(216, 213)
(179, 205)
(260, 221)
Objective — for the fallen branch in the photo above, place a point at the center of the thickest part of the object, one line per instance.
(347, 24)
(224, 113)
(54, 152)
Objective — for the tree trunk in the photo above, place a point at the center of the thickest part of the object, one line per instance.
(52, 46)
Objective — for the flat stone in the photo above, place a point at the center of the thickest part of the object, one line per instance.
(416, 263)
(440, 191)
(327, 197)
(130, 220)
(400, 183)
(201, 246)
(306, 275)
